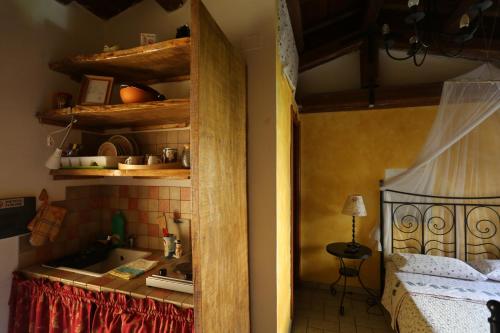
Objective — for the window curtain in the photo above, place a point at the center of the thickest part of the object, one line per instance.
(459, 159)
(39, 306)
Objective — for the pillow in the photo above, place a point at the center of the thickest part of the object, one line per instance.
(435, 265)
(489, 267)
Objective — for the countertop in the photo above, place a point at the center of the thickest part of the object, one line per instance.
(135, 287)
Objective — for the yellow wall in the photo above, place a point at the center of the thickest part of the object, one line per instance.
(344, 153)
(284, 100)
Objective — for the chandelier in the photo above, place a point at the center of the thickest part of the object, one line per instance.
(422, 36)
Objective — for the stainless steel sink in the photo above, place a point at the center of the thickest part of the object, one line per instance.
(115, 258)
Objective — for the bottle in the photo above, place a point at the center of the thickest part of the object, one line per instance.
(186, 157)
(178, 249)
(118, 226)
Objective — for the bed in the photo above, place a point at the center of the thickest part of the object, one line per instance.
(463, 228)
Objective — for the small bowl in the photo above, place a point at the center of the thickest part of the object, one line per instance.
(139, 94)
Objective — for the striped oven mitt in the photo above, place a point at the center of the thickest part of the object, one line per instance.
(47, 221)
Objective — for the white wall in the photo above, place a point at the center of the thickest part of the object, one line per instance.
(343, 73)
(33, 33)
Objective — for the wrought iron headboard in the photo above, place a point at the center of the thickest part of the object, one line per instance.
(432, 224)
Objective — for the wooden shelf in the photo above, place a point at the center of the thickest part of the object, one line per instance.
(92, 173)
(159, 62)
(173, 111)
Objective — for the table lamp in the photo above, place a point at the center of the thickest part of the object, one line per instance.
(354, 206)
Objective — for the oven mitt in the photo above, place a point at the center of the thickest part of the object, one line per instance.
(47, 222)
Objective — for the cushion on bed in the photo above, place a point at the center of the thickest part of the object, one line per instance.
(488, 267)
(436, 265)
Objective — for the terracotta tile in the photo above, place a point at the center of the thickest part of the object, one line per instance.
(164, 192)
(154, 192)
(133, 191)
(113, 191)
(175, 193)
(105, 202)
(143, 192)
(175, 205)
(84, 217)
(142, 204)
(131, 228)
(176, 298)
(185, 207)
(164, 205)
(142, 229)
(153, 230)
(159, 294)
(131, 215)
(123, 203)
(153, 205)
(154, 218)
(142, 291)
(123, 191)
(133, 203)
(132, 285)
(114, 202)
(143, 217)
(185, 193)
(100, 281)
(95, 203)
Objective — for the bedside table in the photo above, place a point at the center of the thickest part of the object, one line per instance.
(341, 251)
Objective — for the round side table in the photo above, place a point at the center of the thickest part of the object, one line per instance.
(342, 251)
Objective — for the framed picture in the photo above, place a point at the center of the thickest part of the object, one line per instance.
(95, 90)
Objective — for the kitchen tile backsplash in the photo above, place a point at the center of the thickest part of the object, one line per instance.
(90, 209)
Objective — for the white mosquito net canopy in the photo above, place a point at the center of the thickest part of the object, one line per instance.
(459, 163)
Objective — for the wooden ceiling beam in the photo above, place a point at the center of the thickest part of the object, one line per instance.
(329, 51)
(385, 98)
(296, 21)
(332, 21)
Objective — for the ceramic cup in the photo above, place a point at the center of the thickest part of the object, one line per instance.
(152, 159)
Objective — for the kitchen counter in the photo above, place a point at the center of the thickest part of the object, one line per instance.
(135, 287)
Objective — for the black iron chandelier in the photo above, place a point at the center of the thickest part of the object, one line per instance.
(421, 37)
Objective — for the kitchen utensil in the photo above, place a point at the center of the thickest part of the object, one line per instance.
(152, 159)
(123, 144)
(169, 155)
(186, 157)
(134, 160)
(138, 93)
(107, 149)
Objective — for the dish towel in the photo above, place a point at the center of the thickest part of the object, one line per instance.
(47, 222)
(133, 269)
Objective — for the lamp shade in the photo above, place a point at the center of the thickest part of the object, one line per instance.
(354, 206)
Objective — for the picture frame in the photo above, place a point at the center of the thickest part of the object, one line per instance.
(95, 90)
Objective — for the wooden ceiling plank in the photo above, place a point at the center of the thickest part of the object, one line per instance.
(330, 51)
(387, 97)
(334, 20)
(296, 20)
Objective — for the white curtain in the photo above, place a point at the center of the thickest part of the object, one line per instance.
(461, 157)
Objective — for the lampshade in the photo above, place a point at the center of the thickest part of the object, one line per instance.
(354, 206)
(54, 161)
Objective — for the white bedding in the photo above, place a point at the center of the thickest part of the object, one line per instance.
(424, 303)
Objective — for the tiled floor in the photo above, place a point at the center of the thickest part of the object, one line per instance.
(317, 311)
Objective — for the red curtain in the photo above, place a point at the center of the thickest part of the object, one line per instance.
(42, 306)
